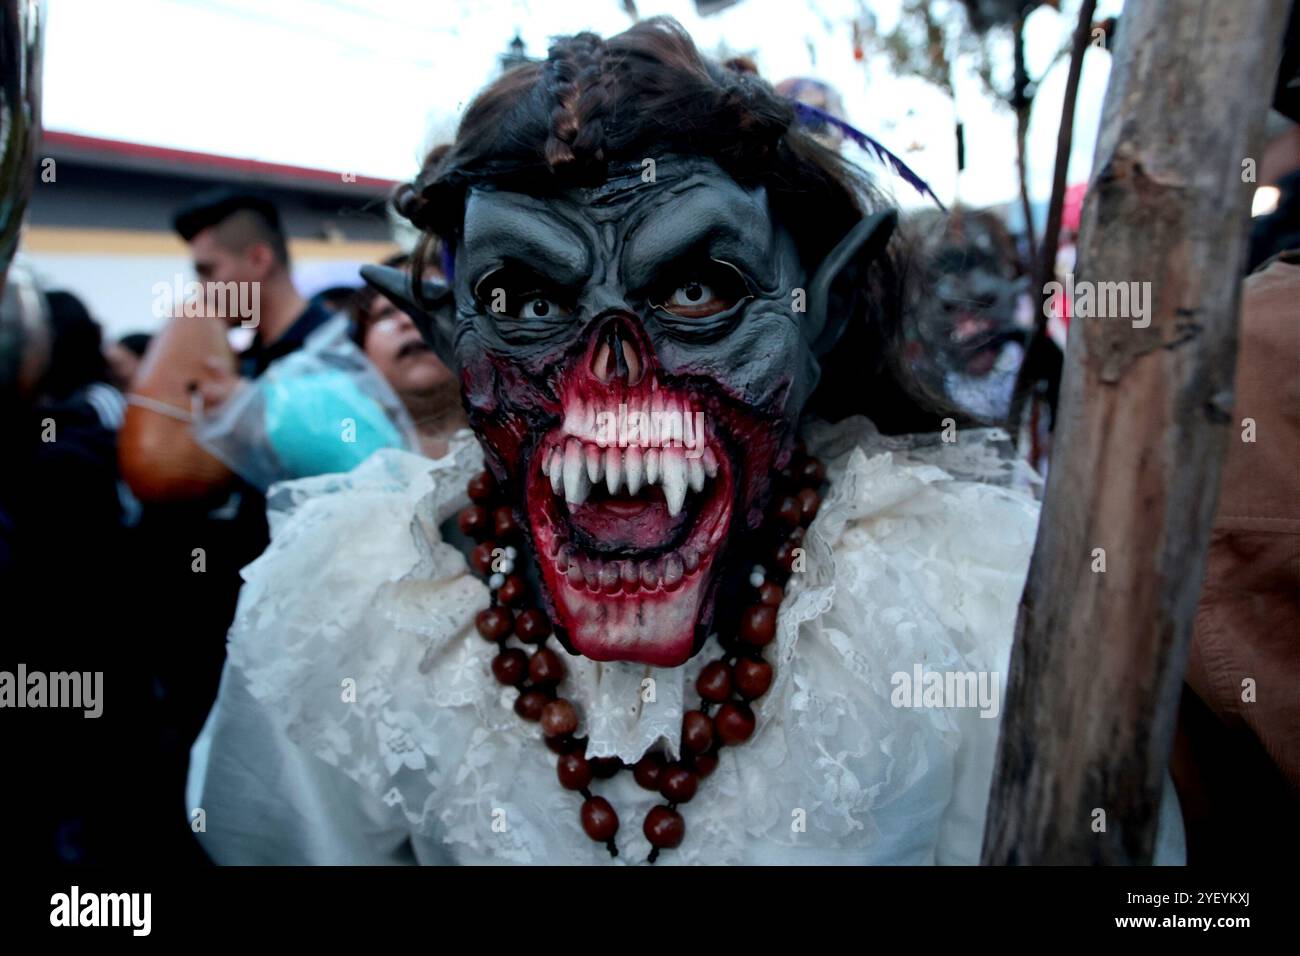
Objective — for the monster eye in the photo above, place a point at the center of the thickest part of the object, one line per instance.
(714, 288)
(696, 300)
(540, 307)
(519, 293)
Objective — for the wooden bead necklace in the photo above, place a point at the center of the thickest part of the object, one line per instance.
(730, 683)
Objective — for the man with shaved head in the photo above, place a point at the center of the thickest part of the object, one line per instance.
(236, 237)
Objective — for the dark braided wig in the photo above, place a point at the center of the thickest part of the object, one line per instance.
(645, 92)
(576, 79)
(648, 92)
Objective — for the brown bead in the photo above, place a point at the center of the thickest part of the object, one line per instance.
(809, 502)
(752, 678)
(513, 591)
(482, 487)
(480, 558)
(648, 770)
(546, 667)
(758, 624)
(503, 520)
(735, 723)
(770, 594)
(599, 819)
(574, 771)
(697, 731)
(473, 521)
(532, 626)
(664, 828)
(510, 666)
(530, 703)
(605, 767)
(559, 718)
(495, 623)
(784, 555)
(810, 473)
(564, 744)
(705, 764)
(714, 682)
(678, 784)
(787, 511)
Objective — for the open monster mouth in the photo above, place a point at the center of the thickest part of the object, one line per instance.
(627, 531)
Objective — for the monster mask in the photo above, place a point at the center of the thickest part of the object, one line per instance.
(635, 357)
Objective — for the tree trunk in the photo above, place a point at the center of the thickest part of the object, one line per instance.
(1021, 102)
(1099, 655)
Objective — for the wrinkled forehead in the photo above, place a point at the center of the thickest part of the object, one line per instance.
(647, 211)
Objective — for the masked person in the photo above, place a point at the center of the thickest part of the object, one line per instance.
(973, 313)
(707, 591)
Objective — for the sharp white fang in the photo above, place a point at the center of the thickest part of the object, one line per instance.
(576, 485)
(613, 469)
(593, 463)
(674, 480)
(652, 466)
(710, 463)
(556, 471)
(632, 464)
(695, 474)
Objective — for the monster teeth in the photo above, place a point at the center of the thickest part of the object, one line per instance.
(710, 463)
(597, 575)
(613, 469)
(632, 465)
(674, 479)
(576, 484)
(555, 470)
(563, 558)
(673, 571)
(574, 467)
(695, 474)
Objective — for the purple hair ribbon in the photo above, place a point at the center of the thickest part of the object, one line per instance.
(813, 116)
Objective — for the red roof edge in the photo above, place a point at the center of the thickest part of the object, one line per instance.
(205, 162)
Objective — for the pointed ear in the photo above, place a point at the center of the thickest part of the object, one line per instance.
(848, 261)
(435, 321)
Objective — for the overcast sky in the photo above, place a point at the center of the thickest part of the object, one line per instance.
(366, 85)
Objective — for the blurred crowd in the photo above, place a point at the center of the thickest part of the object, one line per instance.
(137, 489)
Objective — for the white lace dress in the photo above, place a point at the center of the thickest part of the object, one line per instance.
(358, 720)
